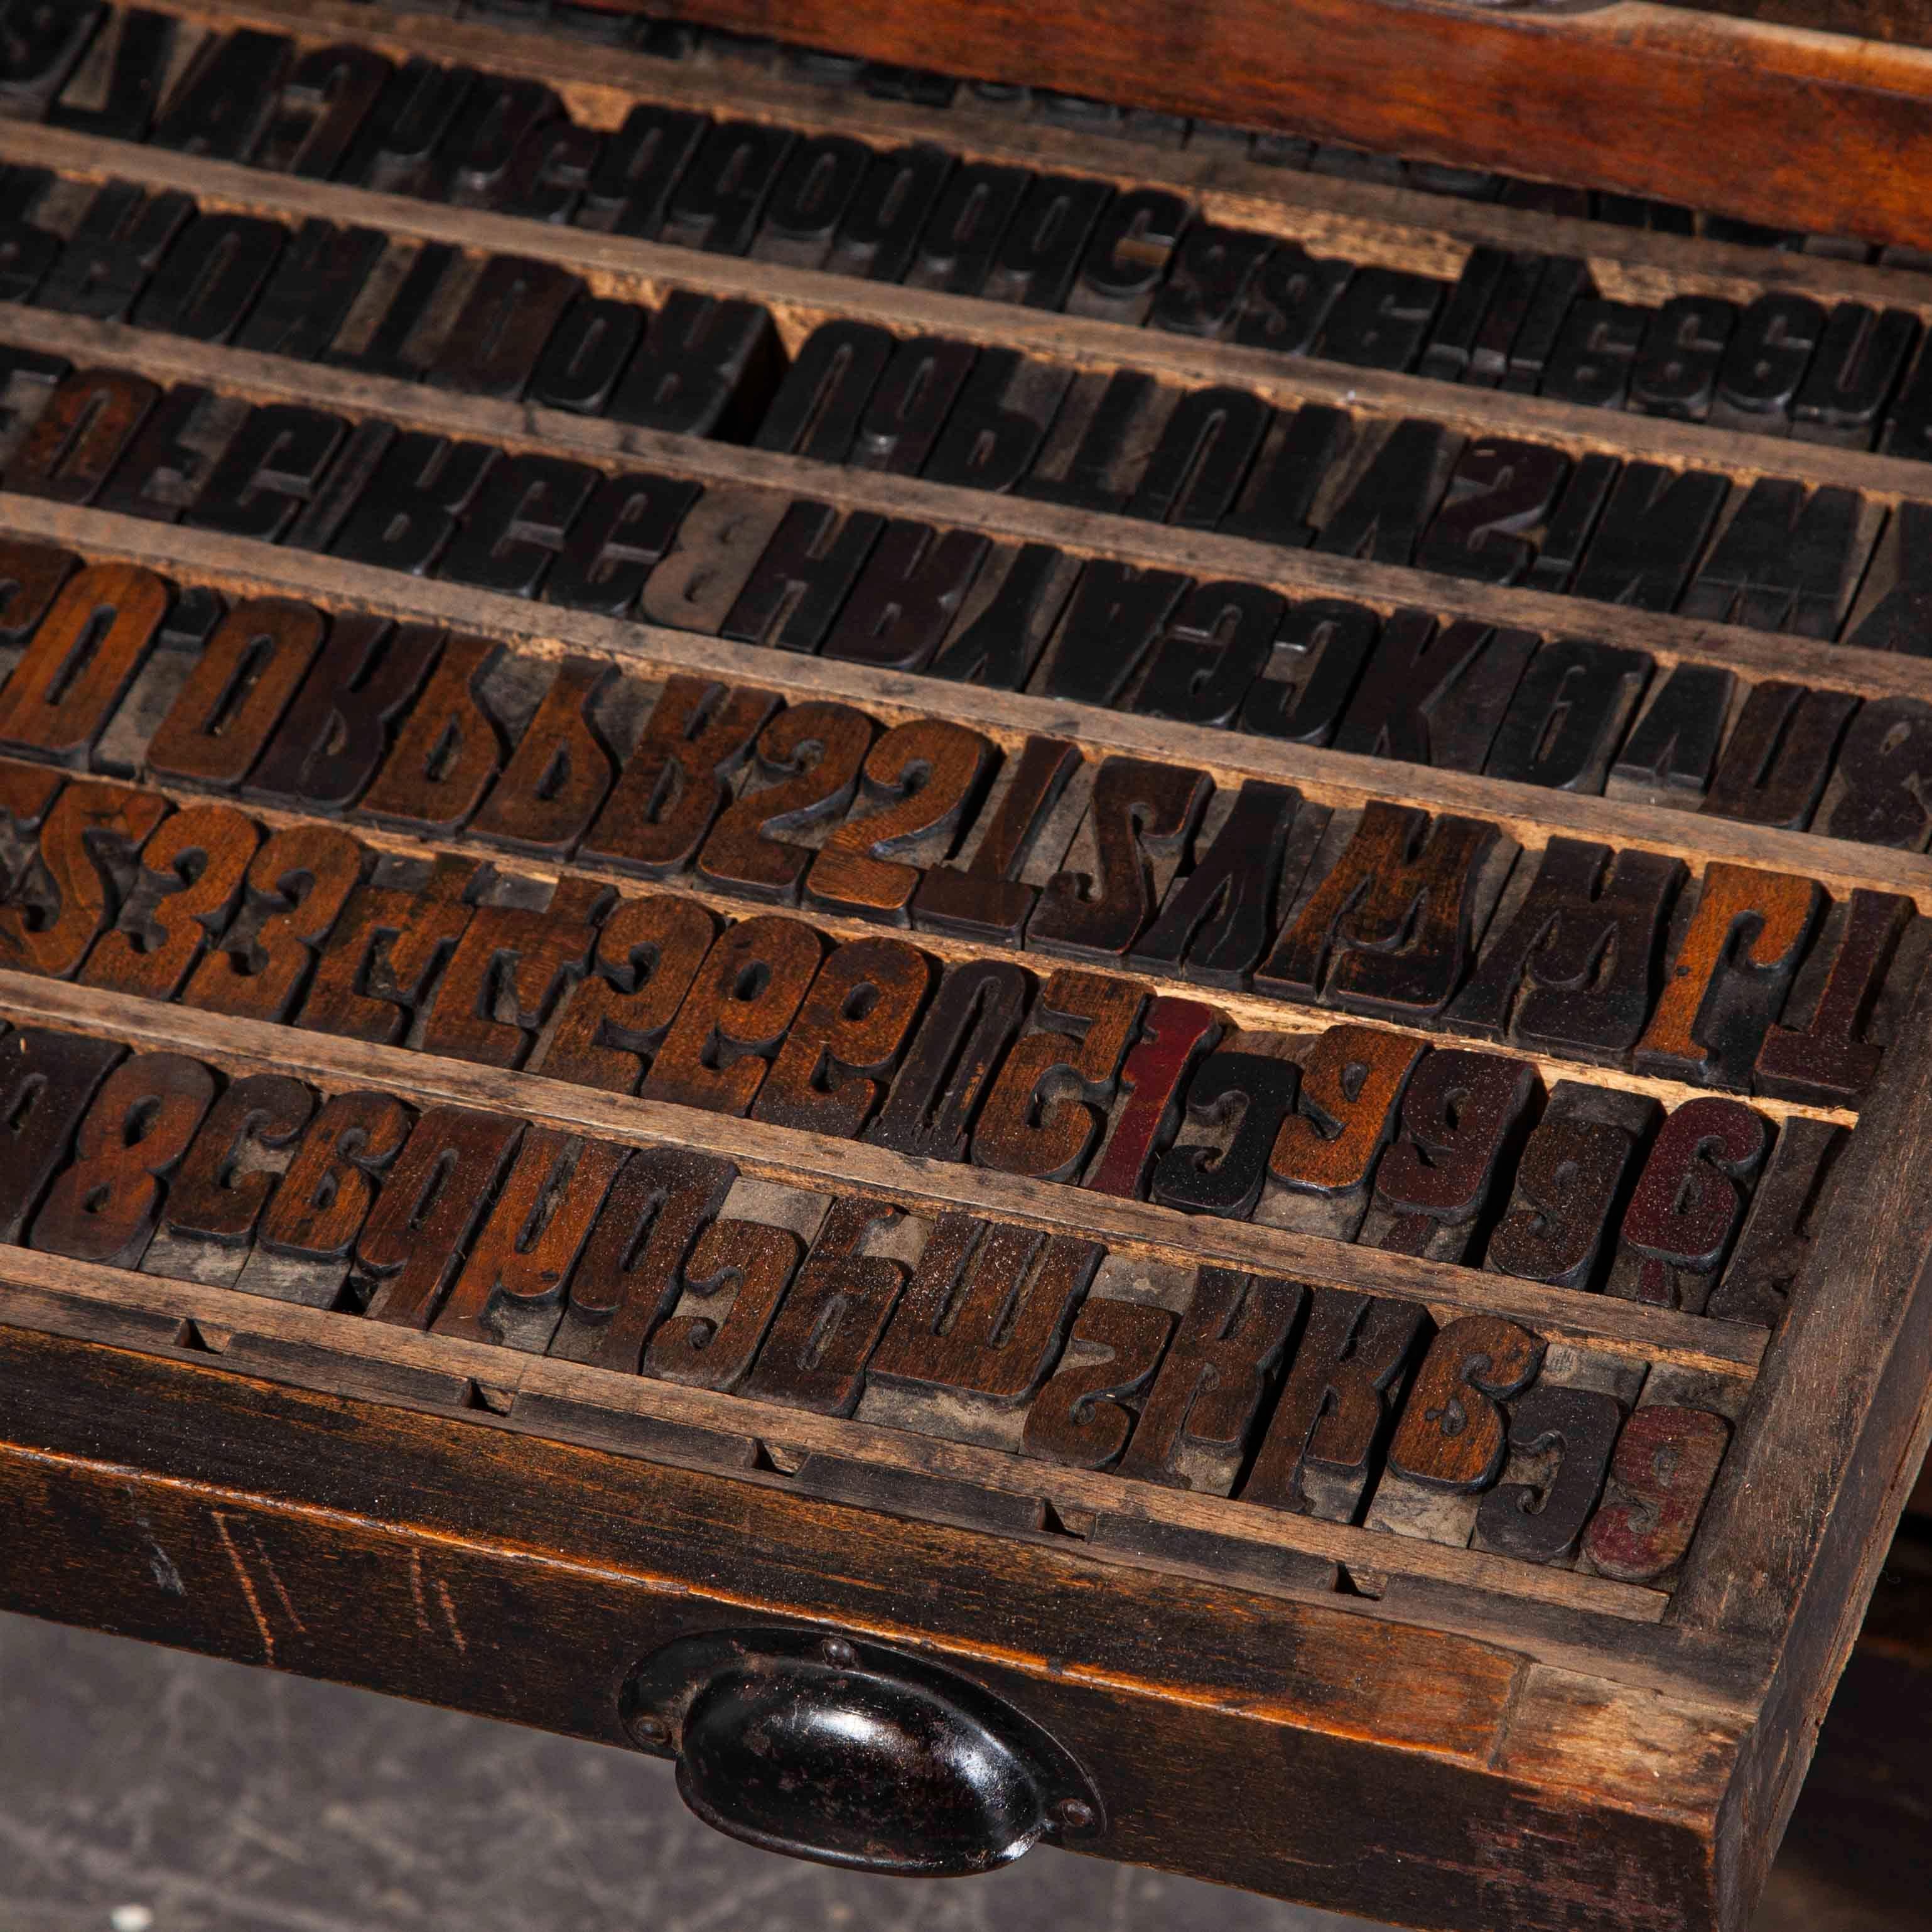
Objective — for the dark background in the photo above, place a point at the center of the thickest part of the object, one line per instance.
(141, 1790)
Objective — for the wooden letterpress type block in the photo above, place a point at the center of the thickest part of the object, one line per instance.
(1047, 1105)
(1207, 284)
(511, 967)
(997, 427)
(673, 785)
(192, 867)
(394, 150)
(432, 1201)
(1453, 1431)
(613, 549)
(1829, 1058)
(89, 423)
(733, 1021)
(448, 750)
(902, 418)
(1568, 715)
(113, 251)
(1435, 695)
(560, 771)
(1352, 1082)
(209, 279)
(925, 779)
(395, 328)
(960, 238)
(980, 896)
(1195, 471)
(986, 1312)
(1392, 497)
(1570, 1187)
(234, 695)
(879, 237)
(613, 1021)
(1857, 367)
(227, 1178)
(1591, 361)
(1211, 654)
(809, 758)
(329, 1188)
(1173, 1035)
(1463, 1115)
(628, 1278)
(222, 105)
(1669, 758)
(103, 1207)
(271, 469)
(1140, 821)
(379, 966)
(1324, 1439)
(1118, 613)
(1664, 1466)
(43, 43)
(935, 1099)
(407, 515)
(1037, 256)
(31, 577)
(1388, 928)
(1650, 534)
(297, 885)
(818, 408)
(475, 162)
(707, 367)
(815, 1354)
(1741, 946)
(1099, 442)
(325, 98)
(1319, 653)
(1882, 776)
(117, 83)
(316, 280)
(1084, 1415)
(1248, 1095)
(493, 345)
(1215, 918)
(1776, 1239)
(83, 868)
(48, 1081)
(512, 1286)
(1381, 319)
(1298, 455)
(719, 542)
(1687, 1205)
(1499, 489)
(1127, 260)
(630, 187)
(519, 521)
(1573, 961)
(1676, 372)
(1778, 758)
(820, 177)
(1006, 618)
(1786, 560)
(1764, 366)
(716, 205)
(1289, 298)
(580, 360)
(907, 596)
(795, 591)
(84, 654)
(829, 1075)
(1561, 1437)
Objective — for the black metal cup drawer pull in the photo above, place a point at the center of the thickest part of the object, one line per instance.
(853, 1754)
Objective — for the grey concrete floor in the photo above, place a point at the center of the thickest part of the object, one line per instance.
(144, 1791)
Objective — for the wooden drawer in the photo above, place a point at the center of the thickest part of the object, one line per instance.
(1079, 956)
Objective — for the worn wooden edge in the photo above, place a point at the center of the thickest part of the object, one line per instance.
(1828, 1452)
(1389, 225)
(1530, 813)
(1517, 90)
(802, 298)
(818, 1160)
(231, 1503)
(515, 1379)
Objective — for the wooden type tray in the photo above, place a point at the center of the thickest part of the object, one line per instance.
(728, 975)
